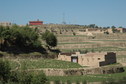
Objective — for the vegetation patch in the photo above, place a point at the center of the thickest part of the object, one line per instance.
(98, 49)
(89, 78)
(45, 63)
(76, 43)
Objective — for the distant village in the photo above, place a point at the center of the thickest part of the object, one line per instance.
(94, 59)
(71, 29)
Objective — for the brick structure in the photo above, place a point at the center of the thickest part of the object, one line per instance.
(90, 59)
(36, 22)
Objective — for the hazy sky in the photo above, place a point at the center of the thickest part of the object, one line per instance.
(83, 12)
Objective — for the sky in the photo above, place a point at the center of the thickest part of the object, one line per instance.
(83, 12)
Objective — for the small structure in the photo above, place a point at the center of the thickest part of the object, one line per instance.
(90, 59)
(121, 30)
(35, 22)
(5, 24)
(116, 30)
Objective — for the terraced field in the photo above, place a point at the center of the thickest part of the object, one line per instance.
(41, 63)
(100, 43)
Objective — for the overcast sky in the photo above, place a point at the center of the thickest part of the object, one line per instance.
(83, 12)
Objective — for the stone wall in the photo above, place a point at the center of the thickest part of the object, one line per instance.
(83, 71)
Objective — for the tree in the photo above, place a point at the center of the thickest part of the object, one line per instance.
(120, 27)
(45, 34)
(19, 37)
(92, 26)
(49, 38)
(113, 26)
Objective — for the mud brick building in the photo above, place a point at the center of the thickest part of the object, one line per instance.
(90, 59)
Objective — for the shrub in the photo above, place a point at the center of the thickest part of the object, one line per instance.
(39, 79)
(57, 82)
(4, 70)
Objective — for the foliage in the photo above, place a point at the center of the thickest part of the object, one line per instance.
(50, 38)
(57, 82)
(68, 82)
(25, 77)
(44, 35)
(19, 77)
(113, 26)
(74, 33)
(19, 37)
(4, 70)
(45, 63)
(106, 32)
(39, 79)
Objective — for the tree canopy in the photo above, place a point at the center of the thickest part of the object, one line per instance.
(21, 37)
(49, 38)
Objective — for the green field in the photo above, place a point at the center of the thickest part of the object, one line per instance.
(76, 43)
(99, 49)
(51, 63)
(72, 36)
(42, 63)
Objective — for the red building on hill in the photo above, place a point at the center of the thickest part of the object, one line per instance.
(36, 22)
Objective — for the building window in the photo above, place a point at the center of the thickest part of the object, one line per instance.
(98, 58)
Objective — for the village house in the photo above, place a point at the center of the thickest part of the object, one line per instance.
(116, 30)
(5, 24)
(33, 23)
(90, 59)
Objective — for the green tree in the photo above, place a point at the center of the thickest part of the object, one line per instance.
(1, 37)
(113, 26)
(50, 39)
(45, 34)
(20, 37)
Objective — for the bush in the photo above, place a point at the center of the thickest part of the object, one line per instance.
(39, 79)
(4, 70)
(57, 82)
(24, 77)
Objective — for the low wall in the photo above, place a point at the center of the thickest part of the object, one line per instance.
(83, 71)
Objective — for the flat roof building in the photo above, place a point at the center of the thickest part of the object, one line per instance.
(90, 59)
(5, 24)
(35, 22)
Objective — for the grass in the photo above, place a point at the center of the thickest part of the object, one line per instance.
(110, 40)
(75, 78)
(14, 65)
(121, 56)
(72, 36)
(76, 43)
(45, 63)
(99, 49)
(51, 63)
(90, 78)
